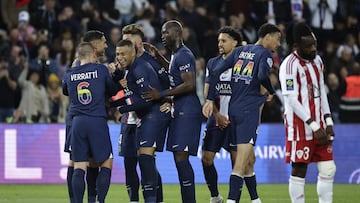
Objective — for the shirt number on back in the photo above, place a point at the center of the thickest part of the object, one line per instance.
(84, 94)
(243, 73)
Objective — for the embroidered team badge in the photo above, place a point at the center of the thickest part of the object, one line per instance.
(269, 62)
(289, 84)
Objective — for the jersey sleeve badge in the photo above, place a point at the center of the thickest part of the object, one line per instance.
(289, 84)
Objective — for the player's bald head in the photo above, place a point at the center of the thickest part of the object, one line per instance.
(85, 49)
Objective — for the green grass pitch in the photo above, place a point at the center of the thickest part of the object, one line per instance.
(269, 193)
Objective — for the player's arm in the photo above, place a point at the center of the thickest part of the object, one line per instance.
(112, 88)
(187, 73)
(325, 107)
(159, 57)
(265, 64)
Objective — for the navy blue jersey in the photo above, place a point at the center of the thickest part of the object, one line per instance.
(139, 77)
(250, 68)
(161, 72)
(88, 87)
(182, 61)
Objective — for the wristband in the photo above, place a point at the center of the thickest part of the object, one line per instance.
(329, 121)
(314, 126)
(163, 93)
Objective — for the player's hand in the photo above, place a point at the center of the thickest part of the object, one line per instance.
(112, 67)
(165, 107)
(330, 132)
(221, 121)
(153, 94)
(322, 137)
(208, 107)
(123, 83)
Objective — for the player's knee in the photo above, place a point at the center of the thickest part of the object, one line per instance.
(327, 168)
(206, 161)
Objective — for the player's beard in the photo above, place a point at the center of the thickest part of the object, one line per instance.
(308, 56)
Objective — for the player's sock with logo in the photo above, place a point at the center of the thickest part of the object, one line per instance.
(70, 173)
(132, 178)
(324, 189)
(78, 184)
(211, 178)
(159, 189)
(250, 181)
(296, 189)
(186, 179)
(91, 176)
(236, 184)
(148, 177)
(103, 183)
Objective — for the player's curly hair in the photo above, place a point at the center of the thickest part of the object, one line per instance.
(237, 36)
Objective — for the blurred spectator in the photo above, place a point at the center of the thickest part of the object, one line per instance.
(342, 65)
(333, 95)
(43, 63)
(189, 37)
(10, 10)
(299, 10)
(45, 17)
(129, 8)
(57, 100)
(322, 13)
(27, 33)
(34, 104)
(8, 86)
(200, 79)
(110, 20)
(145, 22)
(273, 11)
(68, 21)
(114, 38)
(65, 56)
(350, 100)
(350, 43)
(42, 37)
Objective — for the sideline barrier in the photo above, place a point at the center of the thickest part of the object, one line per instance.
(34, 154)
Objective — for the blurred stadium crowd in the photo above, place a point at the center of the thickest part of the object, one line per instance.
(38, 41)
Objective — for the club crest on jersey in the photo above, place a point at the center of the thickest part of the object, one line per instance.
(269, 62)
(289, 84)
(299, 154)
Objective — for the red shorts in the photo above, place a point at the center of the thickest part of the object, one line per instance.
(307, 151)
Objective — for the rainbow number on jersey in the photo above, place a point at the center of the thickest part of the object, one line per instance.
(245, 74)
(84, 94)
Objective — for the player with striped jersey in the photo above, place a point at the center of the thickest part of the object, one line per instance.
(308, 123)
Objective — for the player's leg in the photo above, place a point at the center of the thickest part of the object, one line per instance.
(323, 156)
(78, 183)
(186, 176)
(103, 179)
(238, 172)
(297, 182)
(69, 176)
(159, 189)
(212, 142)
(92, 173)
(211, 176)
(148, 173)
(250, 179)
(101, 151)
(128, 149)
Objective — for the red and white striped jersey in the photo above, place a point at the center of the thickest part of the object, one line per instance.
(302, 84)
